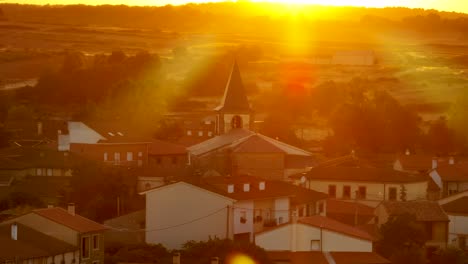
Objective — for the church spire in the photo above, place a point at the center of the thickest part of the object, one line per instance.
(234, 99)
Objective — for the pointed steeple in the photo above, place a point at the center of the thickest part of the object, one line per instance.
(234, 99)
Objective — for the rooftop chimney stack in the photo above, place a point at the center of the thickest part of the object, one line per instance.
(71, 208)
(246, 187)
(261, 186)
(451, 161)
(434, 163)
(176, 258)
(230, 188)
(407, 152)
(14, 231)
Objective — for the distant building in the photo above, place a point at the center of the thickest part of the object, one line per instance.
(449, 179)
(367, 185)
(223, 207)
(457, 210)
(314, 233)
(128, 229)
(67, 226)
(105, 143)
(428, 214)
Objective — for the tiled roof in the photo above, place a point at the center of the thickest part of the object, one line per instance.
(346, 212)
(458, 206)
(75, 222)
(220, 141)
(234, 99)
(242, 140)
(454, 172)
(358, 258)
(419, 162)
(333, 225)
(118, 133)
(423, 210)
(297, 194)
(30, 244)
(367, 174)
(159, 147)
(303, 257)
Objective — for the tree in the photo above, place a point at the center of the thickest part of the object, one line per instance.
(403, 240)
(441, 139)
(137, 254)
(449, 255)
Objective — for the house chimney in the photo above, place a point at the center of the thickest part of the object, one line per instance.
(451, 161)
(50, 206)
(71, 208)
(176, 258)
(261, 186)
(407, 152)
(230, 188)
(39, 128)
(14, 231)
(434, 163)
(214, 260)
(246, 187)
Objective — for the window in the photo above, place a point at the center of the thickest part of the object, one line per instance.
(243, 217)
(210, 133)
(347, 191)
(314, 245)
(332, 191)
(236, 122)
(95, 242)
(105, 156)
(200, 133)
(392, 194)
(189, 132)
(117, 156)
(39, 172)
(140, 163)
(85, 247)
(140, 154)
(280, 220)
(49, 172)
(362, 191)
(129, 156)
(321, 208)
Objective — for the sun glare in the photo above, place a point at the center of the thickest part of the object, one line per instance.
(240, 258)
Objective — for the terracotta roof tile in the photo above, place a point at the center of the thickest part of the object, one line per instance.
(358, 258)
(30, 244)
(75, 222)
(333, 225)
(422, 210)
(458, 206)
(304, 257)
(453, 172)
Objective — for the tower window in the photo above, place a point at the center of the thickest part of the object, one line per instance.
(236, 122)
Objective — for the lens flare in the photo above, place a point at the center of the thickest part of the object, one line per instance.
(239, 258)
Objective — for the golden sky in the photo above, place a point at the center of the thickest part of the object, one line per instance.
(446, 5)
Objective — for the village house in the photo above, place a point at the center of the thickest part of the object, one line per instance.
(22, 244)
(457, 210)
(366, 185)
(314, 233)
(69, 227)
(105, 143)
(449, 179)
(223, 207)
(428, 214)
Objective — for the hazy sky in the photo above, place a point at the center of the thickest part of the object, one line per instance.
(447, 5)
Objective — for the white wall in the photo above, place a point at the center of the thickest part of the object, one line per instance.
(191, 212)
(375, 191)
(458, 225)
(281, 238)
(81, 133)
(241, 208)
(282, 207)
